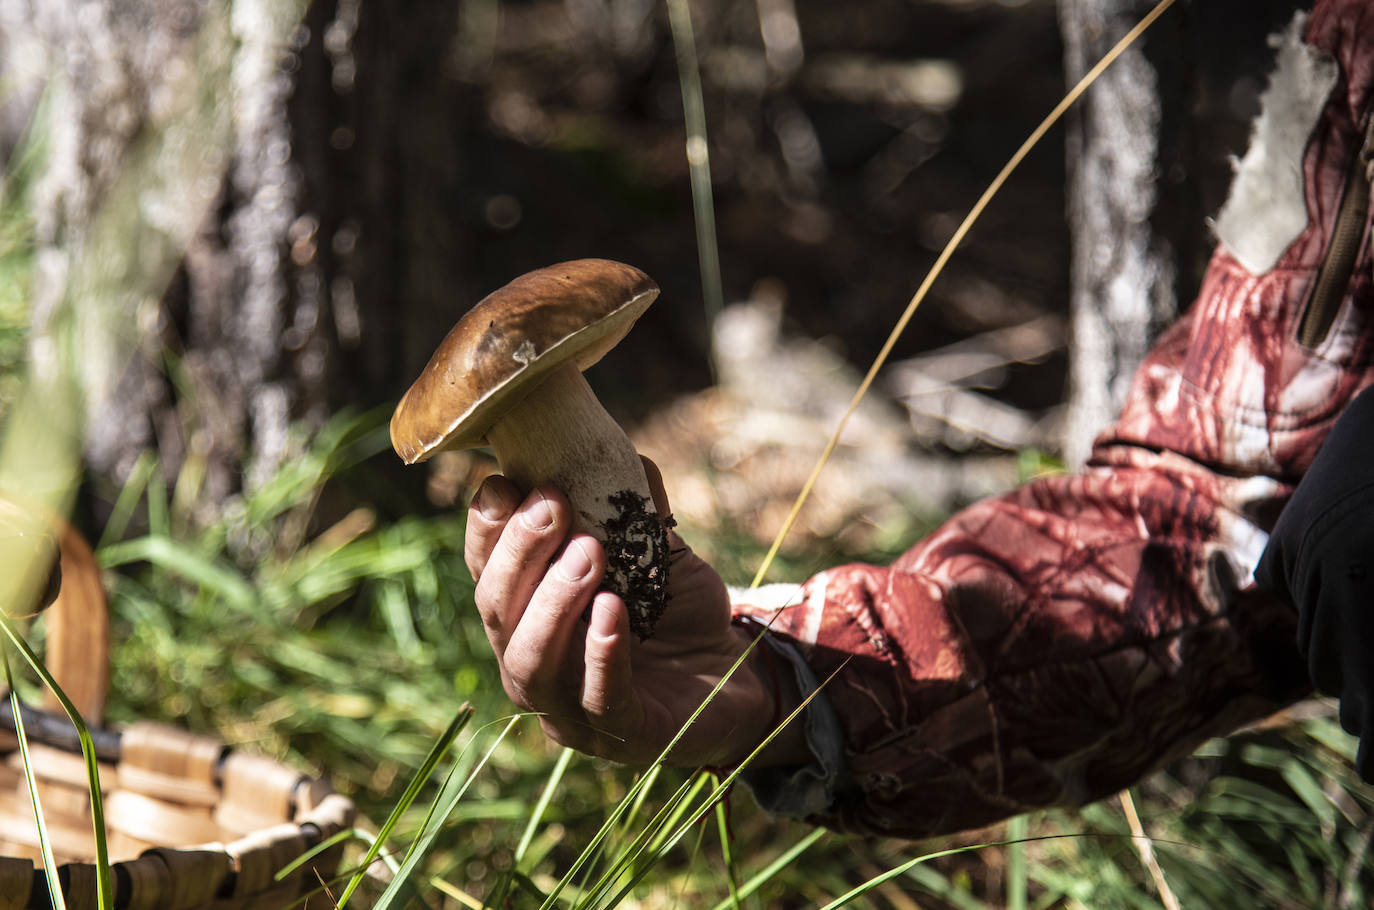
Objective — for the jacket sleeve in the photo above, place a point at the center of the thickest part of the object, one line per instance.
(1053, 645)
(1320, 559)
(1043, 648)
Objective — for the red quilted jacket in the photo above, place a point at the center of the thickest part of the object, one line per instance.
(1051, 646)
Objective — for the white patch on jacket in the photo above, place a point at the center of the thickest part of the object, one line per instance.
(1267, 208)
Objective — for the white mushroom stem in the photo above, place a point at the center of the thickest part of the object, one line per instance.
(561, 434)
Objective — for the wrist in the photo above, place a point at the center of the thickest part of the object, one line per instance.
(776, 698)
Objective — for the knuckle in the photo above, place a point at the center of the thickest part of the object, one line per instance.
(519, 693)
(475, 565)
(525, 679)
(524, 545)
(565, 734)
(487, 600)
(492, 625)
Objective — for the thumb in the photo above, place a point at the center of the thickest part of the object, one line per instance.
(608, 695)
(656, 488)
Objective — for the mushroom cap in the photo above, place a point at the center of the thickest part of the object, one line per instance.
(503, 347)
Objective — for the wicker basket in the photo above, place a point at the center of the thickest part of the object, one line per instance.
(191, 823)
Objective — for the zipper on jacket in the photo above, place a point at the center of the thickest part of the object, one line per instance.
(1336, 267)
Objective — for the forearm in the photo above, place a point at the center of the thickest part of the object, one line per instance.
(1045, 648)
(788, 746)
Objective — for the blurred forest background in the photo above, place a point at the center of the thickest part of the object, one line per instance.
(328, 185)
(246, 224)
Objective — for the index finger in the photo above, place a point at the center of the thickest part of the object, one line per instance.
(657, 491)
(492, 506)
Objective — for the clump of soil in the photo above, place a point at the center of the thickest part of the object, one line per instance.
(637, 560)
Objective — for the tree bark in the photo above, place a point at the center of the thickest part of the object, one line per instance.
(313, 255)
(1149, 153)
(1121, 272)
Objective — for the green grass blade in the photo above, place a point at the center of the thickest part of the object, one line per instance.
(346, 440)
(693, 857)
(177, 558)
(636, 789)
(765, 875)
(1308, 789)
(727, 853)
(441, 746)
(104, 885)
(698, 161)
(338, 838)
(622, 824)
(462, 897)
(358, 834)
(594, 847)
(649, 777)
(129, 495)
(1016, 864)
(1328, 732)
(159, 520)
(592, 850)
(673, 812)
(671, 809)
(906, 867)
(665, 841)
(541, 806)
(439, 811)
(40, 824)
(396, 612)
(935, 882)
(895, 872)
(663, 844)
(499, 896)
(1305, 877)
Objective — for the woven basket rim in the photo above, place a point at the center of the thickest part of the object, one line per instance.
(261, 813)
(217, 867)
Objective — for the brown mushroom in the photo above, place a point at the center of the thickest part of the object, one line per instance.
(509, 375)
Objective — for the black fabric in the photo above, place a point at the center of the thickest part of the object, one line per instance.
(1320, 559)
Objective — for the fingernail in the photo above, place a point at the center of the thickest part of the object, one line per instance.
(493, 503)
(538, 517)
(575, 563)
(602, 623)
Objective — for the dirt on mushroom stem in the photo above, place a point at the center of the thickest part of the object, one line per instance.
(560, 434)
(633, 538)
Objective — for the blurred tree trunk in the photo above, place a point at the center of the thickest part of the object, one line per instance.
(1148, 162)
(1122, 269)
(313, 251)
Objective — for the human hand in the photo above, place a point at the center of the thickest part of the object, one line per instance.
(598, 688)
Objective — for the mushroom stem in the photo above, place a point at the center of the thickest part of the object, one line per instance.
(561, 434)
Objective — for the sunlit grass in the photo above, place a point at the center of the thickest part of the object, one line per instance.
(313, 673)
(16, 261)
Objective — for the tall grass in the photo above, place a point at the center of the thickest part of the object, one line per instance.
(350, 655)
(358, 648)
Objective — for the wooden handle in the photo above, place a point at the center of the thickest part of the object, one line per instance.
(78, 652)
